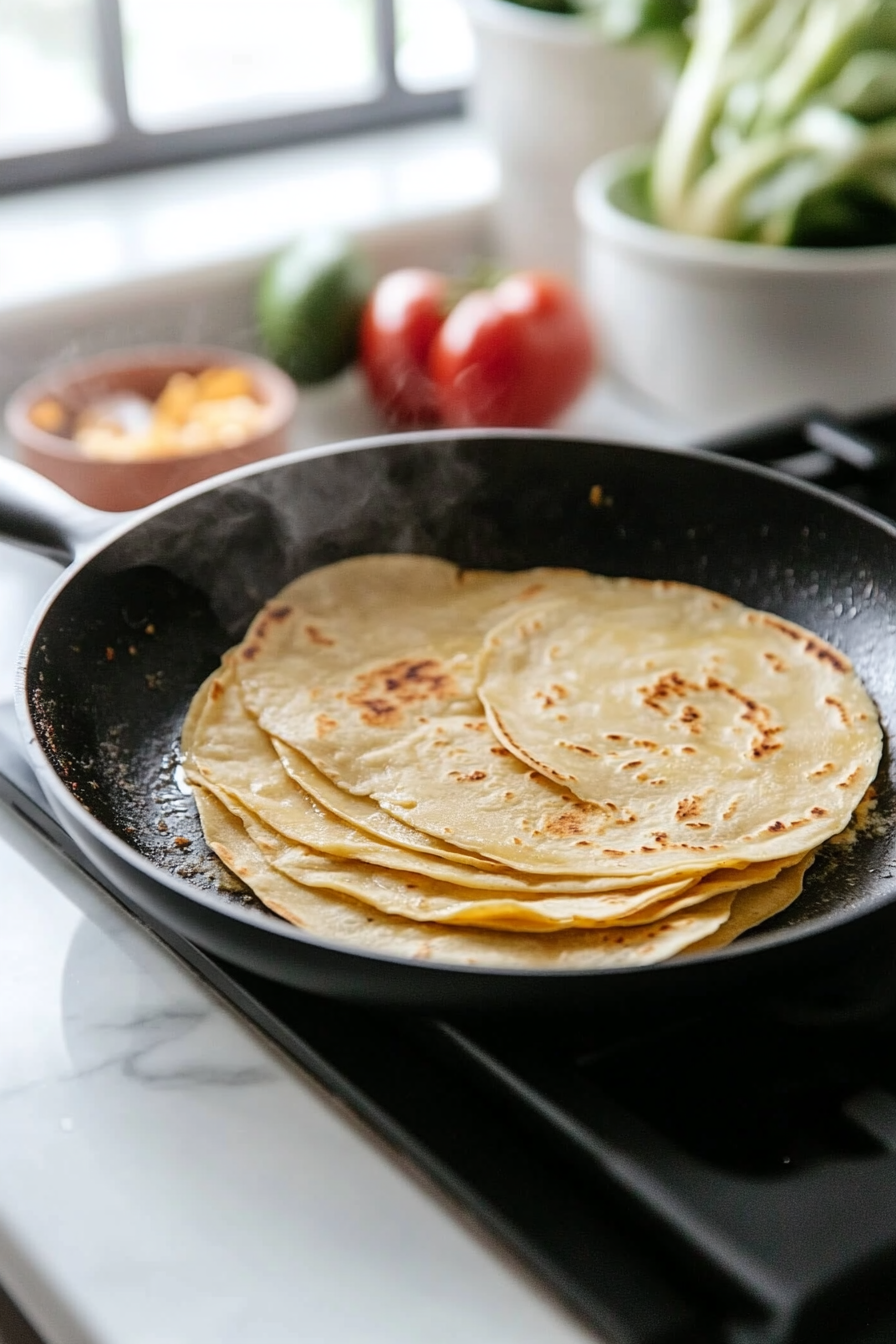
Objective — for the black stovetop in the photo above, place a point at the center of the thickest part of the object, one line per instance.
(723, 1176)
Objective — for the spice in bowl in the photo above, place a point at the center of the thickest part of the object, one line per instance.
(194, 413)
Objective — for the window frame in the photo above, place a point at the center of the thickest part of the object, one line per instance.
(128, 148)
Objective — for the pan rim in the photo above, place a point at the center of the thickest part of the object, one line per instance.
(68, 803)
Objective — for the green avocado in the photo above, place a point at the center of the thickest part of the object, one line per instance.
(309, 304)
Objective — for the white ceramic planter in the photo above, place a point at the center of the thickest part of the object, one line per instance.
(724, 330)
(549, 97)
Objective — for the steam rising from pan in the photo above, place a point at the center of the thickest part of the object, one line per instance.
(246, 540)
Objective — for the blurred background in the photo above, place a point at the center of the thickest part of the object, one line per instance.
(90, 86)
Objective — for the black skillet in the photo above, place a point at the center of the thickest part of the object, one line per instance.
(143, 612)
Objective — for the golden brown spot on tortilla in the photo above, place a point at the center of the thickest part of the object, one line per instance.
(777, 664)
(279, 613)
(689, 807)
(323, 724)
(644, 744)
(532, 591)
(574, 820)
(667, 685)
(383, 694)
(477, 726)
(317, 637)
(845, 783)
(559, 691)
(777, 826)
(691, 715)
(632, 765)
(516, 840)
(614, 853)
(758, 716)
(660, 837)
(499, 751)
(547, 701)
(509, 795)
(819, 811)
(822, 770)
(825, 654)
(541, 769)
(474, 775)
(765, 746)
(614, 737)
(689, 751)
(731, 809)
(585, 843)
(840, 708)
(815, 647)
(657, 783)
(697, 825)
(575, 746)
(249, 651)
(216, 691)
(763, 618)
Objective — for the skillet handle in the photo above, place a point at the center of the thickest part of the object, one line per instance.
(39, 516)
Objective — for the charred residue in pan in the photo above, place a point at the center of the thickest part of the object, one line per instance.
(111, 679)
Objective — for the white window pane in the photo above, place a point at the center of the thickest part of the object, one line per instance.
(434, 45)
(49, 76)
(197, 62)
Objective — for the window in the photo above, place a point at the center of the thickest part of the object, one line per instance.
(93, 86)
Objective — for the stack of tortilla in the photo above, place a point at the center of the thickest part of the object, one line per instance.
(546, 769)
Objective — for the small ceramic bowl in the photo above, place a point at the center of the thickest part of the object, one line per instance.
(65, 392)
(711, 329)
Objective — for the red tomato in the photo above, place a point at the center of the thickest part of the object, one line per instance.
(515, 355)
(400, 321)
